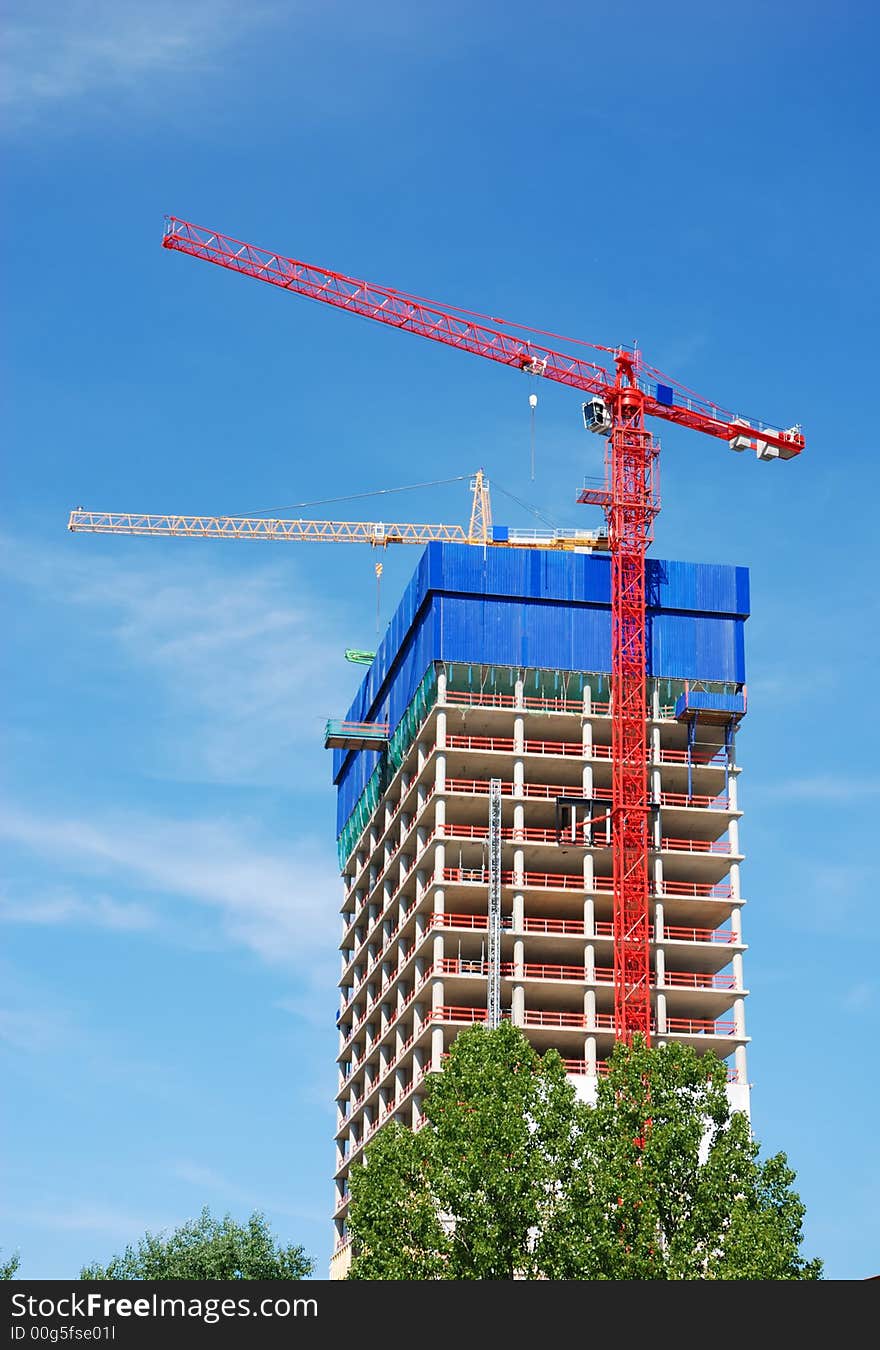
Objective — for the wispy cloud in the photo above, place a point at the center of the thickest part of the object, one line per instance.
(83, 1218)
(209, 1183)
(278, 902)
(61, 905)
(58, 51)
(248, 673)
(861, 996)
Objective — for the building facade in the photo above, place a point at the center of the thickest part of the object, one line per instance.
(494, 669)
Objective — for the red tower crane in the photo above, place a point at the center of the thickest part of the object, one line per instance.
(620, 401)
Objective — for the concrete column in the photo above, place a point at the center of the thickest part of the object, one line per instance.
(436, 994)
(732, 791)
(436, 1049)
(660, 967)
(655, 701)
(438, 949)
(441, 730)
(655, 744)
(589, 914)
(736, 923)
(518, 957)
(735, 882)
(441, 686)
(518, 1006)
(519, 775)
(590, 1009)
(658, 922)
(661, 1014)
(440, 815)
(590, 1053)
(742, 1072)
(588, 876)
(519, 733)
(439, 861)
(656, 787)
(588, 700)
(519, 865)
(587, 739)
(733, 836)
(439, 901)
(589, 962)
(518, 692)
(739, 1016)
(440, 772)
(738, 982)
(519, 820)
(399, 1084)
(518, 915)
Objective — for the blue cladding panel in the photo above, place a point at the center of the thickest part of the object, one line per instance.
(500, 533)
(532, 607)
(665, 394)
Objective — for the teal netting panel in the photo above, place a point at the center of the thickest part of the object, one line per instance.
(392, 757)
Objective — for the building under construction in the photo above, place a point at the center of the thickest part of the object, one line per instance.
(474, 790)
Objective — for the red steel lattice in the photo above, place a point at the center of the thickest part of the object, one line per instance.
(629, 499)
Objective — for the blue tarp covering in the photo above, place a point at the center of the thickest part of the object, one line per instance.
(525, 607)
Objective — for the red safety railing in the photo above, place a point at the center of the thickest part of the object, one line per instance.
(686, 979)
(695, 845)
(699, 1026)
(580, 1066)
(453, 1014)
(676, 933)
(508, 745)
(573, 926)
(480, 700)
(479, 922)
(550, 791)
(719, 891)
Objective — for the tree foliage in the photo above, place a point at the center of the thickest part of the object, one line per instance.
(512, 1177)
(207, 1249)
(9, 1267)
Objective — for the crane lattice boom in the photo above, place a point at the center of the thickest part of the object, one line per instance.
(621, 402)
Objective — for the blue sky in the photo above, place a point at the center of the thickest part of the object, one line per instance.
(697, 177)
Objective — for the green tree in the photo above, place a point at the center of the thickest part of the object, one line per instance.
(9, 1267)
(511, 1176)
(207, 1249)
(669, 1185)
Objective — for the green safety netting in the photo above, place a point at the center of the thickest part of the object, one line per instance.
(463, 678)
(393, 756)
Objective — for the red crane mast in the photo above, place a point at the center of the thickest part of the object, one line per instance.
(621, 401)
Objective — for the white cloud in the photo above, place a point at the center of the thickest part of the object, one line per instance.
(278, 902)
(61, 905)
(84, 1218)
(206, 1180)
(249, 674)
(30, 1030)
(60, 50)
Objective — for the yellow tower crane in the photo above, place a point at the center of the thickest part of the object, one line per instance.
(377, 533)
